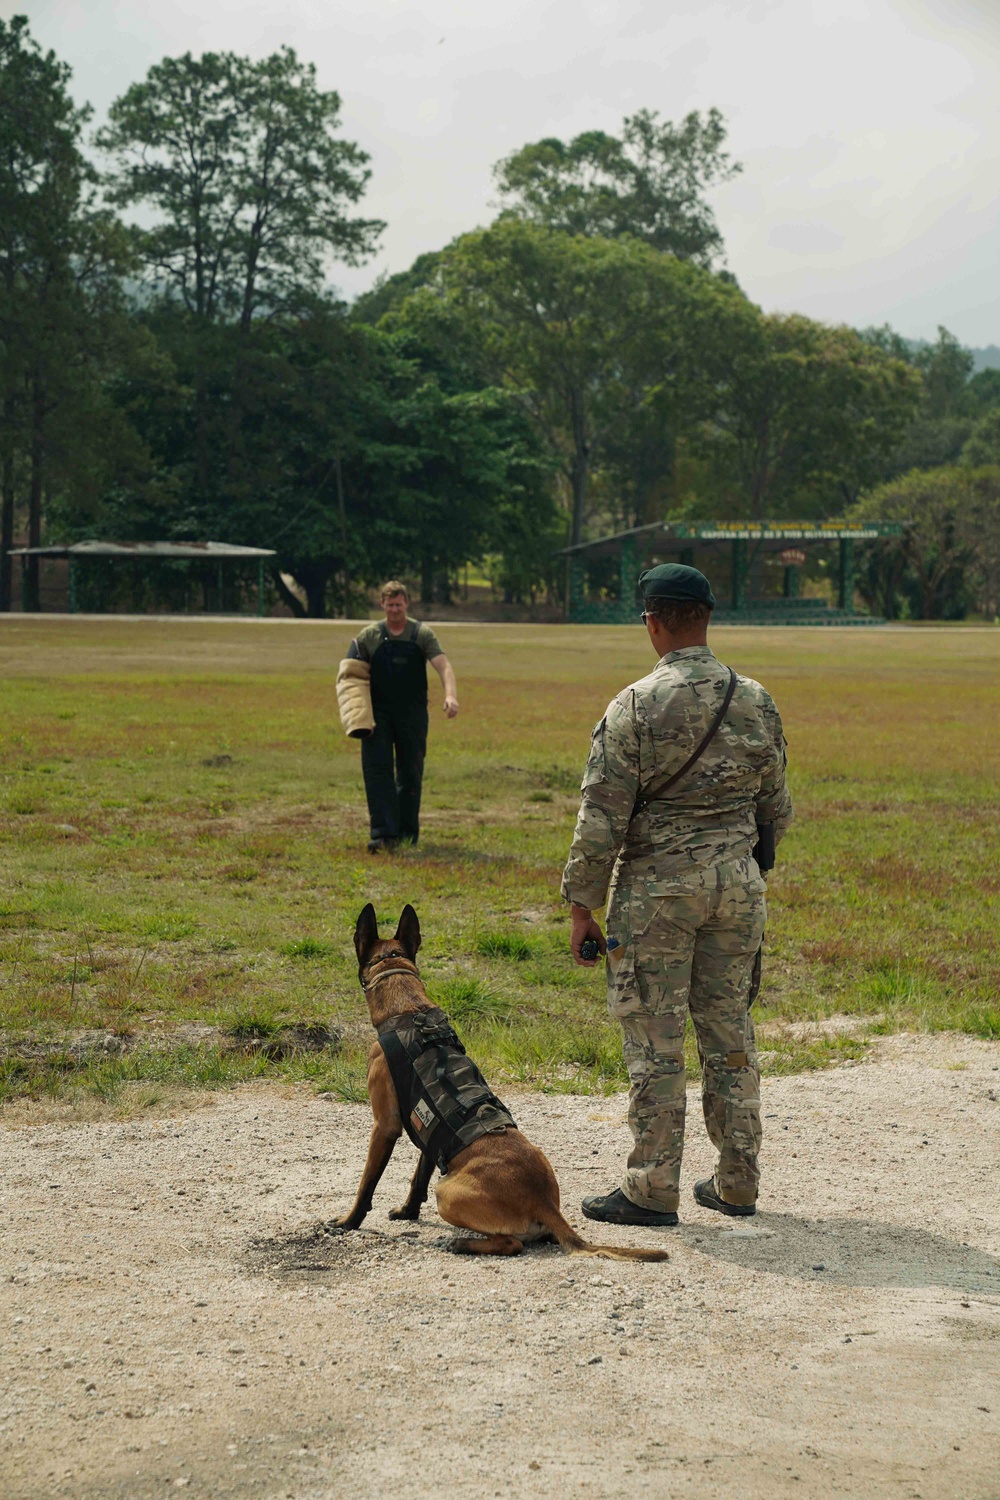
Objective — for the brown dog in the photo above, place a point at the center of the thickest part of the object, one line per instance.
(500, 1186)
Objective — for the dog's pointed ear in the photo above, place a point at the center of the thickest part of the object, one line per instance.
(408, 932)
(365, 934)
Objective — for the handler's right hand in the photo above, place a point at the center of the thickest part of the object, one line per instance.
(582, 927)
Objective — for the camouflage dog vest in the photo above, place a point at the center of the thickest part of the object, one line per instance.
(444, 1101)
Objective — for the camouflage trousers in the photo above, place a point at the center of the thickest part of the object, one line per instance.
(679, 953)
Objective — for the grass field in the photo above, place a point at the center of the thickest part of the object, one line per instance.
(182, 848)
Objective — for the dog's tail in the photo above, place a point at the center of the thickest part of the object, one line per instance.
(573, 1244)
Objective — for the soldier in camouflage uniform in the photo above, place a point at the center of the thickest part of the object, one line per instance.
(686, 912)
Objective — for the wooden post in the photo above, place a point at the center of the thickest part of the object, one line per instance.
(845, 590)
(627, 577)
(576, 593)
(739, 574)
(260, 588)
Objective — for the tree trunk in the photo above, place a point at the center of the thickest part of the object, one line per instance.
(6, 519)
(246, 312)
(427, 580)
(32, 591)
(443, 587)
(345, 538)
(200, 435)
(655, 494)
(315, 587)
(287, 597)
(314, 576)
(578, 467)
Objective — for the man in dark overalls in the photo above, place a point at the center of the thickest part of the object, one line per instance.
(392, 758)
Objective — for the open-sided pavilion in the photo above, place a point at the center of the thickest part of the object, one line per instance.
(217, 553)
(727, 552)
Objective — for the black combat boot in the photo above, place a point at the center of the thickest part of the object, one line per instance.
(615, 1208)
(705, 1193)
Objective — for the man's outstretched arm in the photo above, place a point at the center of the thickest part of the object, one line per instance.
(446, 672)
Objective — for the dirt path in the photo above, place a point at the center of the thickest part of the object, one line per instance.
(166, 1323)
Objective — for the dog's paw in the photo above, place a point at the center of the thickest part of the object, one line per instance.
(405, 1213)
(339, 1226)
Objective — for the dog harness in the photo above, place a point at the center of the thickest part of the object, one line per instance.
(444, 1101)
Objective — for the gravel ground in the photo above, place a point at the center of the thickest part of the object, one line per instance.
(171, 1319)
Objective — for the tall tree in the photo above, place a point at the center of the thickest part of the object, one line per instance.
(807, 415)
(390, 292)
(983, 445)
(951, 400)
(584, 330)
(253, 187)
(40, 175)
(358, 453)
(648, 182)
(946, 368)
(61, 260)
(944, 510)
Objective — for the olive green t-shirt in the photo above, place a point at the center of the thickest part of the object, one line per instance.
(367, 641)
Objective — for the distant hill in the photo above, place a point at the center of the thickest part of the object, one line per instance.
(986, 359)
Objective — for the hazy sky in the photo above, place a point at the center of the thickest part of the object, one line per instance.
(869, 130)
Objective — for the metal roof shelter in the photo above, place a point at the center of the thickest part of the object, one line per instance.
(217, 552)
(738, 543)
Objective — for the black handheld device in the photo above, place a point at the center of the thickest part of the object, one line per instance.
(764, 849)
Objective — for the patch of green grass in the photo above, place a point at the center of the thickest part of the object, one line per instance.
(306, 947)
(469, 999)
(253, 1022)
(170, 927)
(175, 898)
(504, 945)
(345, 1077)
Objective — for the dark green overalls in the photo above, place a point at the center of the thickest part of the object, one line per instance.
(399, 704)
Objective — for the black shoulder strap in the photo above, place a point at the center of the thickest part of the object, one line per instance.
(399, 1068)
(658, 791)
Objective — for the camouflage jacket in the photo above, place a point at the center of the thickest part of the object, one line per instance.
(703, 830)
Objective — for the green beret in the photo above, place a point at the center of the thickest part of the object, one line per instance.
(676, 581)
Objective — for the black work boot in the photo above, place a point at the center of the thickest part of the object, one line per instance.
(706, 1194)
(378, 846)
(615, 1208)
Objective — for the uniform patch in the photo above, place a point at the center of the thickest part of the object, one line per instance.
(422, 1117)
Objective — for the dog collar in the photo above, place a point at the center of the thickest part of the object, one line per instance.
(369, 984)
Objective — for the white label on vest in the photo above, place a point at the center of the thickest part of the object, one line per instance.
(422, 1115)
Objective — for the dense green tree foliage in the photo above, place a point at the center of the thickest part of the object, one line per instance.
(251, 185)
(807, 416)
(948, 558)
(648, 183)
(62, 258)
(600, 340)
(579, 365)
